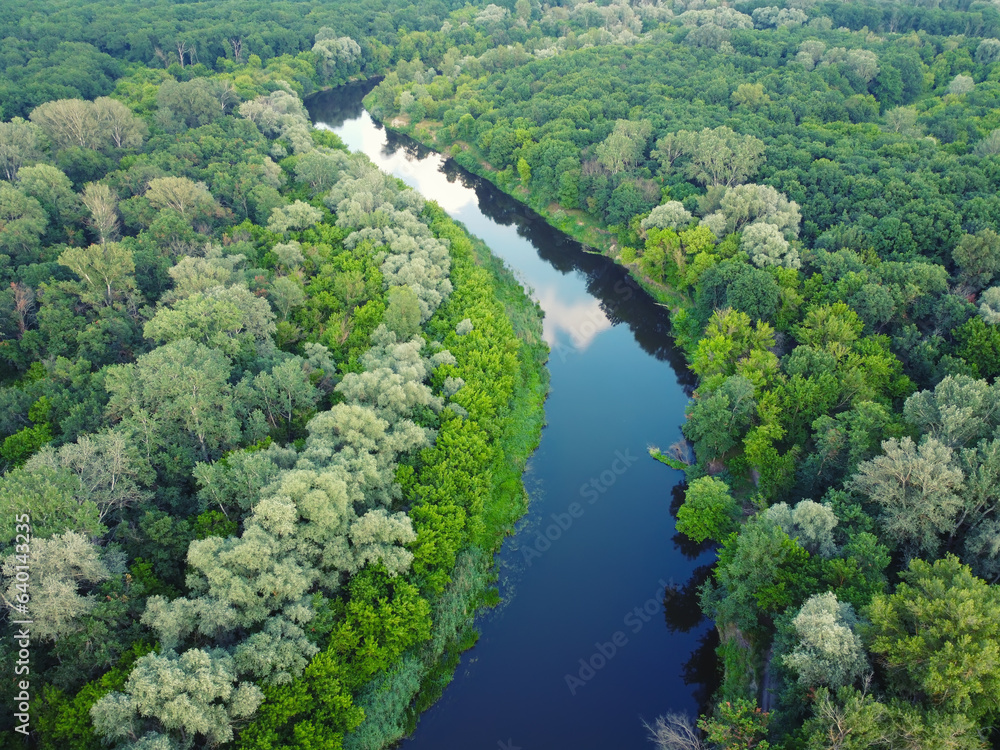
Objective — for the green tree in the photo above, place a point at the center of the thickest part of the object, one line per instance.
(298, 215)
(767, 247)
(809, 523)
(828, 650)
(979, 345)
(938, 635)
(118, 123)
(709, 511)
(50, 495)
(916, 488)
(624, 147)
(670, 215)
(102, 203)
(22, 224)
(105, 272)
(69, 122)
(188, 104)
(760, 574)
(19, 145)
(855, 720)
(194, 694)
(402, 315)
(721, 156)
(745, 205)
(177, 401)
(184, 196)
(958, 411)
(230, 319)
(717, 422)
(60, 565)
(738, 725)
(832, 328)
(978, 257)
(54, 191)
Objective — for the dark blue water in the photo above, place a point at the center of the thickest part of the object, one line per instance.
(595, 571)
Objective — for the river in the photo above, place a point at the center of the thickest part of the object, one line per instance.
(599, 628)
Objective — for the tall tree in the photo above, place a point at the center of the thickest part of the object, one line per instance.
(916, 487)
(939, 636)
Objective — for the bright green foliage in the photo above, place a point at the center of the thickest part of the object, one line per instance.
(979, 345)
(662, 258)
(709, 511)
(729, 338)
(830, 327)
(737, 726)
(939, 637)
(25, 442)
(568, 99)
(276, 526)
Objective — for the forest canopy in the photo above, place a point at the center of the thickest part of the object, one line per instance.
(268, 410)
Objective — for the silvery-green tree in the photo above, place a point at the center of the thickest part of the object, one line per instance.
(917, 489)
(809, 523)
(195, 694)
(59, 566)
(828, 651)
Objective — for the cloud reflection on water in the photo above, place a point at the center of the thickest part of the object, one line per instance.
(580, 321)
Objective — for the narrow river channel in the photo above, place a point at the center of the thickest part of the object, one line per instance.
(599, 627)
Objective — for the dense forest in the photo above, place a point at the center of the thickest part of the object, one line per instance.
(813, 189)
(268, 409)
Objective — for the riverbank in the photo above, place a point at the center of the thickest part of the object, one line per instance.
(482, 283)
(566, 580)
(736, 653)
(572, 222)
